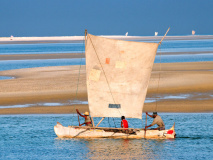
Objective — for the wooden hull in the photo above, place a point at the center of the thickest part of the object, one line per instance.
(87, 132)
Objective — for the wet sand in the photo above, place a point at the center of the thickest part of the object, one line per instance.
(58, 84)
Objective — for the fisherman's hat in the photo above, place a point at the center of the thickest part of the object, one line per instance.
(155, 113)
(86, 113)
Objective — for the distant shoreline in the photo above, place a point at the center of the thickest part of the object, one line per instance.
(80, 39)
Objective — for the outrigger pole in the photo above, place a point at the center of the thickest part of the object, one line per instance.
(85, 36)
(79, 121)
(100, 121)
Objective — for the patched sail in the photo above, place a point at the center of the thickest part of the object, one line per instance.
(118, 74)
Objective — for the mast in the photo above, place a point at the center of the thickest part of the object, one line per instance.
(85, 42)
(85, 39)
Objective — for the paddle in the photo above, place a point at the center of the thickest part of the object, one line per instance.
(145, 127)
(79, 121)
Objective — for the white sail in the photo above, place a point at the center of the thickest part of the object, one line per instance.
(118, 72)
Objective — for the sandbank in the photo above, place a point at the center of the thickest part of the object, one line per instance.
(59, 84)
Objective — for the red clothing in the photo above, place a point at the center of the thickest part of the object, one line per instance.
(125, 123)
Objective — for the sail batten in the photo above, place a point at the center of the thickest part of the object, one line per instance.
(118, 72)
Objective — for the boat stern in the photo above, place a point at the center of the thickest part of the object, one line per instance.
(58, 128)
(171, 132)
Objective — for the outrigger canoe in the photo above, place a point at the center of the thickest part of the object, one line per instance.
(117, 77)
(101, 132)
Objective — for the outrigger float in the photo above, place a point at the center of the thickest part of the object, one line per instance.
(117, 76)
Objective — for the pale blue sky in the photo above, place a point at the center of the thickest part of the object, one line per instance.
(111, 17)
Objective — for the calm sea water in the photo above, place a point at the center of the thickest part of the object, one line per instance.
(187, 45)
(45, 48)
(167, 46)
(51, 48)
(19, 64)
(33, 137)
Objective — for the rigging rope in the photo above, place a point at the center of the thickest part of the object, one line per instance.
(79, 72)
(158, 82)
(104, 73)
(160, 66)
(102, 70)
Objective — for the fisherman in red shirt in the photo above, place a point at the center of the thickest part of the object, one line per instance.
(124, 123)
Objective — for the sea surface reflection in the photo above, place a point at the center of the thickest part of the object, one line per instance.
(116, 148)
(125, 149)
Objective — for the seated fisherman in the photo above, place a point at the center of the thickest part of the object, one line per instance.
(124, 123)
(157, 120)
(87, 121)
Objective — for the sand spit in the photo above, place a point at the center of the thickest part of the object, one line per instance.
(58, 84)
